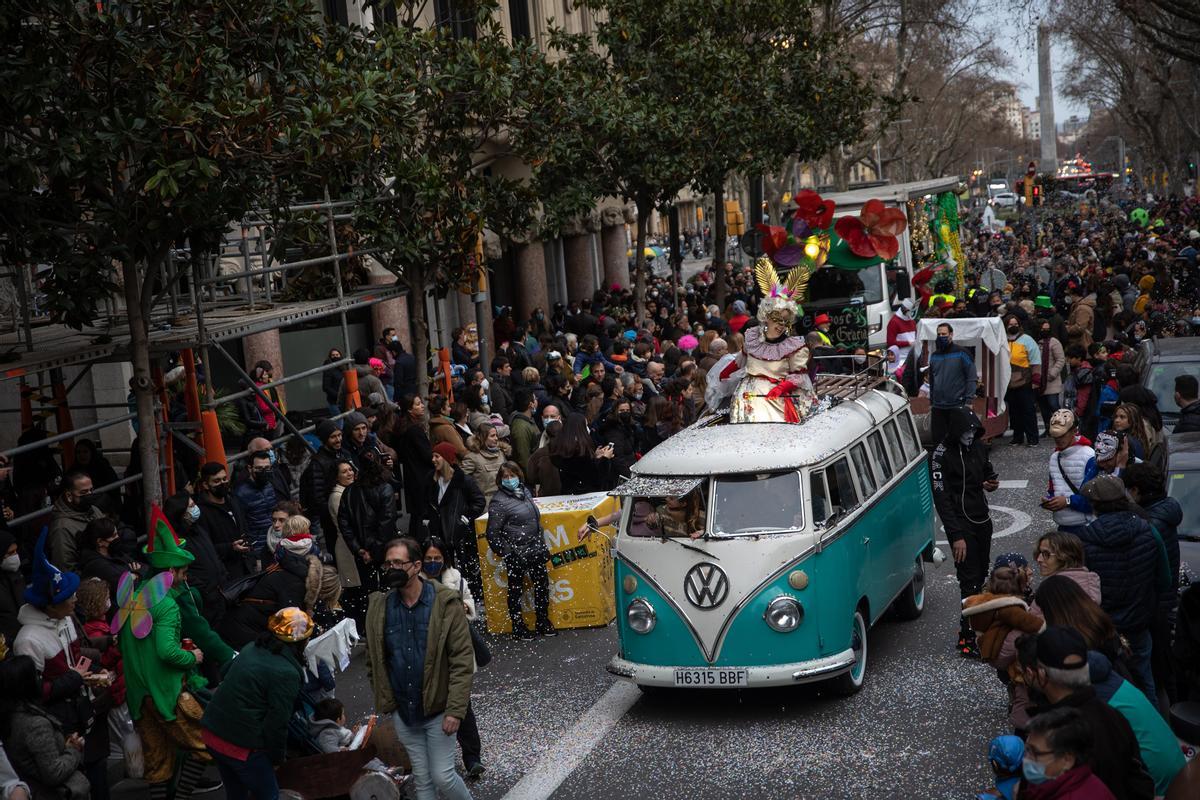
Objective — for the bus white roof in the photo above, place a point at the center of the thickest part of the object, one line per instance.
(768, 446)
(893, 194)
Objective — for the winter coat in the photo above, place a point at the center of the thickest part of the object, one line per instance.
(367, 517)
(370, 448)
(449, 656)
(952, 377)
(38, 750)
(452, 579)
(108, 568)
(55, 645)
(1157, 744)
(256, 504)
(253, 704)
(284, 584)
(1053, 361)
(207, 572)
(524, 435)
(66, 530)
(12, 589)
(416, 457)
(1070, 468)
(957, 475)
(328, 735)
(331, 382)
(994, 616)
(483, 466)
(1078, 783)
(1132, 564)
(225, 523)
(1165, 514)
(1115, 758)
(542, 474)
(1189, 418)
(1080, 322)
(404, 375)
(500, 395)
(441, 429)
(625, 440)
(582, 474)
(368, 384)
(316, 484)
(462, 499)
(1185, 651)
(515, 525)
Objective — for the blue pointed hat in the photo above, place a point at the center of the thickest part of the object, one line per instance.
(48, 584)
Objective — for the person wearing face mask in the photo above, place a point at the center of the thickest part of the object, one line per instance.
(544, 477)
(453, 502)
(12, 587)
(72, 512)
(485, 454)
(99, 557)
(514, 532)
(1053, 359)
(438, 564)
(622, 431)
(952, 380)
(1054, 766)
(223, 518)
(961, 474)
(523, 431)
(423, 681)
(256, 494)
(1054, 665)
(1023, 383)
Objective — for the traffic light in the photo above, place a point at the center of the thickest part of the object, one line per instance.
(735, 223)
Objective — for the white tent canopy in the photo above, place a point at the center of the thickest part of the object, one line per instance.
(977, 334)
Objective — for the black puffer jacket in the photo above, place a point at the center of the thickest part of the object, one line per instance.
(462, 499)
(207, 573)
(316, 484)
(515, 524)
(1189, 419)
(367, 517)
(1121, 548)
(282, 586)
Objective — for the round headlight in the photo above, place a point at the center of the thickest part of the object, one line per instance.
(784, 614)
(640, 616)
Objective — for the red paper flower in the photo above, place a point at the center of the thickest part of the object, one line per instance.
(873, 232)
(773, 238)
(812, 209)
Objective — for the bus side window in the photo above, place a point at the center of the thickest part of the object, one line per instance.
(862, 465)
(820, 500)
(881, 457)
(893, 440)
(842, 494)
(908, 434)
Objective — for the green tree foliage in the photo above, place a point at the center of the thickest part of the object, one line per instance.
(138, 126)
(686, 91)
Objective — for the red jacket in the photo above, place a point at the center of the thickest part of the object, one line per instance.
(1074, 784)
(898, 325)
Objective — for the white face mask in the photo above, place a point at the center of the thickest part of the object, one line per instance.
(11, 563)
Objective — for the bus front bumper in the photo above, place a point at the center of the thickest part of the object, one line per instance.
(818, 669)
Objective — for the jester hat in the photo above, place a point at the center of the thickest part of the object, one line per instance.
(48, 585)
(163, 548)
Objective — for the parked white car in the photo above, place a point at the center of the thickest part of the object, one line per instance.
(1004, 200)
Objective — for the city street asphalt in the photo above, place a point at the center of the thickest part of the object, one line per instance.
(555, 724)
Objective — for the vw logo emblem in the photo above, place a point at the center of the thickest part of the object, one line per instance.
(706, 585)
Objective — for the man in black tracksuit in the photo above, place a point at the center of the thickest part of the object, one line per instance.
(961, 473)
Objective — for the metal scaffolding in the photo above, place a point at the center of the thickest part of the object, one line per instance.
(205, 304)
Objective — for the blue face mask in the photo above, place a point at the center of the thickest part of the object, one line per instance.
(512, 484)
(433, 568)
(193, 513)
(1034, 771)
(943, 342)
(271, 455)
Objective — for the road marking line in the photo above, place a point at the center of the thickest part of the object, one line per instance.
(574, 746)
(1014, 484)
(1020, 521)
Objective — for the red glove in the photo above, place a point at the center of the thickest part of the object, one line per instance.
(730, 368)
(781, 388)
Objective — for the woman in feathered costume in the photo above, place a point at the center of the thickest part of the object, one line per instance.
(772, 371)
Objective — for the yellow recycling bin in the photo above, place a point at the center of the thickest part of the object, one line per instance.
(581, 573)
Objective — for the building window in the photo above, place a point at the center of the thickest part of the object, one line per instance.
(518, 16)
(336, 11)
(456, 17)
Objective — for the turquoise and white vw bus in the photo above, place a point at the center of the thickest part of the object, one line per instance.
(801, 536)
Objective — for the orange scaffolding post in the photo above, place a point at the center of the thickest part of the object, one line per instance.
(214, 448)
(353, 399)
(62, 414)
(444, 365)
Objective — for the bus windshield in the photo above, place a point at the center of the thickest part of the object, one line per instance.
(747, 505)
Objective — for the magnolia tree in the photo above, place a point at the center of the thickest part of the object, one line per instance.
(134, 129)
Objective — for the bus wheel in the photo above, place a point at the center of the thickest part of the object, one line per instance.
(911, 602)
(850, 682)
